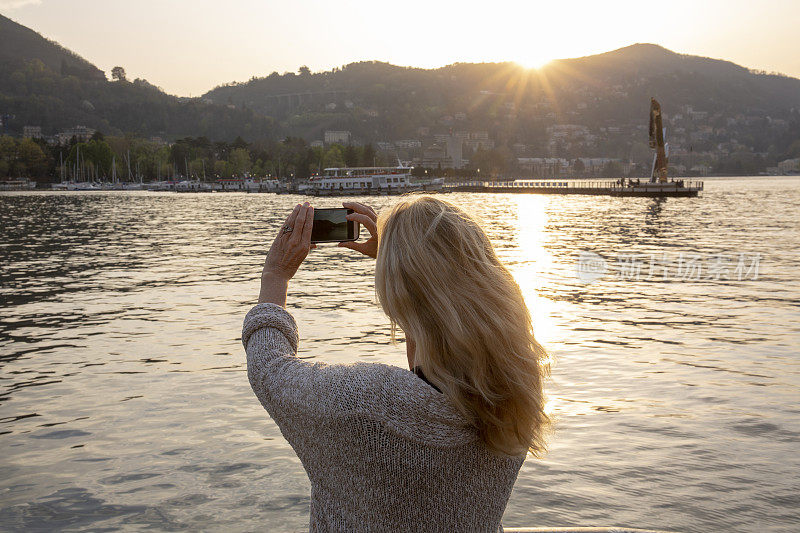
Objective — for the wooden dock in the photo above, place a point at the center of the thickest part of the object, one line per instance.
(676, 188)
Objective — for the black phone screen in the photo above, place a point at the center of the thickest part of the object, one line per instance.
(330, 225)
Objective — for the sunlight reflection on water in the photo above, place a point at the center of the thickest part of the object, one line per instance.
(124, 401)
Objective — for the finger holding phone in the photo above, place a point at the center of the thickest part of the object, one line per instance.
(366, 216)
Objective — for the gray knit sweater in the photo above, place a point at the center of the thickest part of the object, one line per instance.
(383, 449)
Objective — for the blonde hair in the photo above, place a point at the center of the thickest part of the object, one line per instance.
(438, 278)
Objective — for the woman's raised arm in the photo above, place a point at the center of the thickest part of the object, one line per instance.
(287, 253)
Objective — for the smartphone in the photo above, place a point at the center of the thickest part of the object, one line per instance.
(330, 225)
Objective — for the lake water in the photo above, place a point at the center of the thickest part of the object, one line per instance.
(124, 400)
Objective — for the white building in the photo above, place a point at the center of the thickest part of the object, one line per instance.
(32, 132)
(341, 137)
(408, 143)
(81, 134)
(475, 144)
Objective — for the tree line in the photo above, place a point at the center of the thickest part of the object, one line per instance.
(132, 158)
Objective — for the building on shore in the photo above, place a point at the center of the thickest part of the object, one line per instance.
(32, 132)
(81, 134)
(408, 143)
(436, 156)
(454, 149)
(479, 140)
(447, 152)
(543, 167)
(341, 137)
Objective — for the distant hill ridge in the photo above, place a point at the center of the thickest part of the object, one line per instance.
(19, 43)
(601, 69)
(380, 101)
(44, 84)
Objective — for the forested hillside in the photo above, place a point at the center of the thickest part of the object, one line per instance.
(43, 84)
(378, 101)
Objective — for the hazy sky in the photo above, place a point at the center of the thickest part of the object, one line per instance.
(189, 46)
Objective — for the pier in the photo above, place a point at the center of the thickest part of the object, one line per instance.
(678, 188)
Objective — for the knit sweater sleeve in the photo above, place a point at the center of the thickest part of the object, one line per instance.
(300, 395)
(294, 391)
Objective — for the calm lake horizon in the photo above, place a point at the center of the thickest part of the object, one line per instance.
(673, 325)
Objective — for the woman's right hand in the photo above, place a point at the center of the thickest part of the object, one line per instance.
(365, 216)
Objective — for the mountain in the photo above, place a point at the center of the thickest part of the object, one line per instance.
(614, 86)
(18, 43)
(593, 106)
(43, 84)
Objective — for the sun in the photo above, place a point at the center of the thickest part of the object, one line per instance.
(534, 62)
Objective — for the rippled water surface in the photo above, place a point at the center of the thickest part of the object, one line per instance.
(124, 401)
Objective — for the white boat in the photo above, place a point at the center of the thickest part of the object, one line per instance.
(189, 186)
(96, 186)
(263, 185)
(167, 185)
(367, 180)
(247, 184)
(19, 184)
(76, 186)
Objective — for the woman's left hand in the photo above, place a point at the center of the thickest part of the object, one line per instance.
(292, 244)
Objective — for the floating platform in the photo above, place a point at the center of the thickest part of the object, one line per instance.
(579, 530)
(676, 188)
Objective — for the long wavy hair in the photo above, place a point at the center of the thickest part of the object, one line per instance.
(438, 278)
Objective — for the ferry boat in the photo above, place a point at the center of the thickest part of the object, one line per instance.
(367, 180)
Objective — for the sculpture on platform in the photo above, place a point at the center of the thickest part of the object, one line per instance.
(659, 171)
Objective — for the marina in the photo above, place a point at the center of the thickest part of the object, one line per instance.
(361, 185)
(620, 187)
(395, 180)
